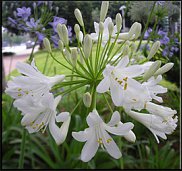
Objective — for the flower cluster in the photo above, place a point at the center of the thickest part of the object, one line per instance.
(32, 22)
(116, 69)
(169, 43)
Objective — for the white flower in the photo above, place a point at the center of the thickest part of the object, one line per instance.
(105, 36)
(97, 135)
(32, 82)
(156, 124)
(38, 114)
(155, 89)
(162, 111)
(125, 91)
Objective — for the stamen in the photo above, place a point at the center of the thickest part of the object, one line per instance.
(109, 140)
(19, 89)
(134, 100)
(125, 79)
(26, 92)
(120, 82)
(125, 86)
(19, 95)
(100, 141)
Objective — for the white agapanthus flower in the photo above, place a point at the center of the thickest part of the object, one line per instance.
(125, 91)
(97, 135)
(105, 36)
(38, 114)
(33, 82)
(155, 89)
(155, 123)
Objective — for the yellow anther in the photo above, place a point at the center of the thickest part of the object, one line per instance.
(100, 141)
(164, 121)
(19, 95)
(125, 86)
(116, 79)
(120, 82)
(26, 92)
(109, 140)
(134, 100)
(31, 123)
(19, 89)
(34, 127)
(125, 79)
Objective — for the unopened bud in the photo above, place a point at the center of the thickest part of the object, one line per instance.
(60, 45)
(15, 14)
(118, 22)
(87, 46)
(57, 10)
(78, 16)
(138, 30)
(65, 35)
(164, 69)
(47, 44)
(154, 49)
(77, 28)
(87, 99)
(67, 54)
(104, 9)
(101, 27)
(150, 72)
(74, 54)
(34, 5)
(134, 30)
(110, 28)
(59, 30)
(130, 136)
(125, 50)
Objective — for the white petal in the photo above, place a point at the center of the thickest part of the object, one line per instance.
(82, 136)
(123, 62)
(116, 93)
(130, 136)
(103, 85)
(81, 36)
(96, 26)
(114, 119)
(110, 146)
(90, 148)
(62, 117)
(56, 79)
(93, 118)
(121, 129)
(56, 101)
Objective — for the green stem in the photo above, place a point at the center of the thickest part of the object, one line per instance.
(93, 93)
(31, 55)
(146, 26)
(21, 159)
(108, 103)
(45, 65)
(121, 159)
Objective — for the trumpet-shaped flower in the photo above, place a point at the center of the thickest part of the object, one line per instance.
(105, 36)
(24, 12)
(125, 91)
(32, 82)
(38, 114)
(155, 89)
(156, 124)
(97, 135)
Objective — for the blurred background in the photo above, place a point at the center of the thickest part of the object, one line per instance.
(41, 150)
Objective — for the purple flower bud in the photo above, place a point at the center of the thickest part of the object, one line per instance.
(24, 12)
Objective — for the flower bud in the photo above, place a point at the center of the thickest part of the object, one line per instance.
(59, 30)
(104, 9)
(65, 35)
(87, 46)
(135, 30)
(87, 99)
(125, 50)
(78, 16)
(130, 136)
(77, 29)
(60, 45)
(118, 22)
(154, 49)
(74, 54)
(15, 14)
(150, 72)
(57, 10)
(110, 28)
(101, 27)
(164, 69)
(34, 5)
(47, 44)
(67, 54)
